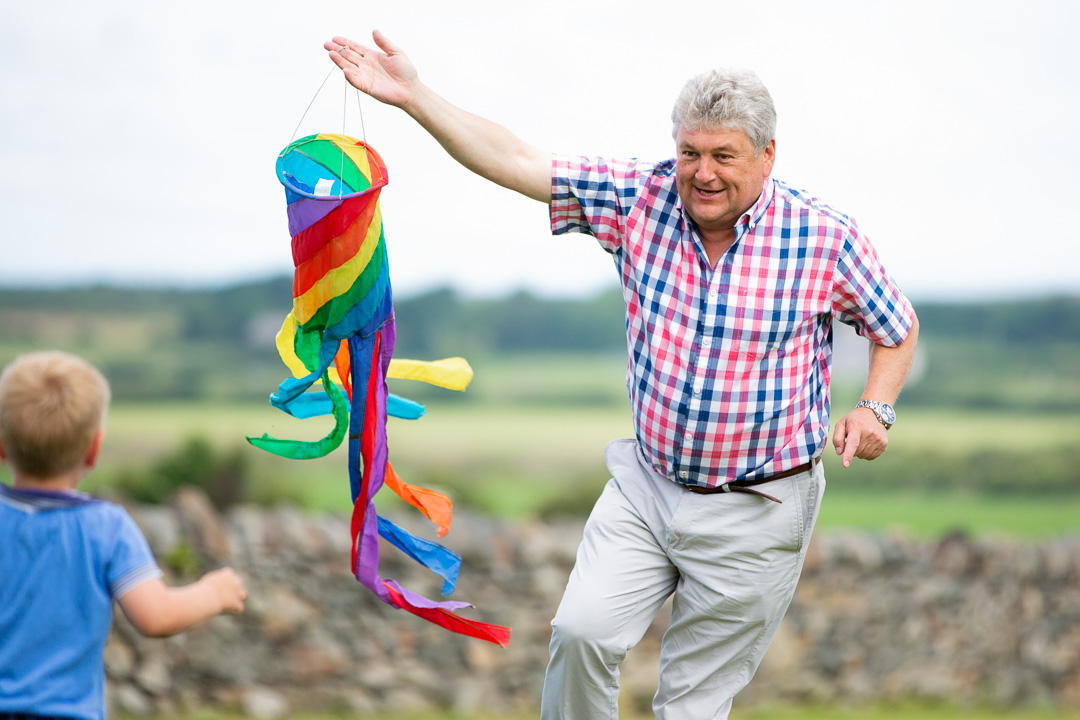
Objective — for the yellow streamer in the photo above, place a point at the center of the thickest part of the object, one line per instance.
(287, 351)
(451, 373)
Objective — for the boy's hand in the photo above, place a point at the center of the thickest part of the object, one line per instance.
(228, 588)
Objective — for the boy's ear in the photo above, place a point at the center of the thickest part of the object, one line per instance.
(95, 447)
(3, 455)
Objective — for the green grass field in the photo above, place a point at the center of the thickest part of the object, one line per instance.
(902, 712)
(515, 461)
(779, 712)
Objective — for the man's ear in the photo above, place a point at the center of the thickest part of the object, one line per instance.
(770, 158)
(95, 447)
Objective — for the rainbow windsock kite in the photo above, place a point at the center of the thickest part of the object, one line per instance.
(341, 334)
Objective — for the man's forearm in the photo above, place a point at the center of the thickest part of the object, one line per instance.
(484, 147)
(889, 367)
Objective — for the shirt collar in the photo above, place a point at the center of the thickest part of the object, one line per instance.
(749, 219)
(34, 500)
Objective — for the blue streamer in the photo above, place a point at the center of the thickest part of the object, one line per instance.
(435, 557)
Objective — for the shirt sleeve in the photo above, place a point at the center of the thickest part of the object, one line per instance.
(594, 196)
(866, 297)
(132, 562)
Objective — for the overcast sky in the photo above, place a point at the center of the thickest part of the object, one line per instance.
(139, 137)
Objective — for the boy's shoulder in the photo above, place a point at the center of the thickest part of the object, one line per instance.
(113, 542)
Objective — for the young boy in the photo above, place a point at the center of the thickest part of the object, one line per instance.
(65, 556)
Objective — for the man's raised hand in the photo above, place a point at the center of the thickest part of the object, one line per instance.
(387, 75)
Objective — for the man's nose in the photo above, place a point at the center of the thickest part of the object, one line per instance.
(705, 170)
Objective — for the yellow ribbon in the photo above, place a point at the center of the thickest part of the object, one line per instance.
(452, 373)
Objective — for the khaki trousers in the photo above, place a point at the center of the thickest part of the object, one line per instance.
(732, 561)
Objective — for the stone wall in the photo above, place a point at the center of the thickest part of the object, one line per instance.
(875, 618)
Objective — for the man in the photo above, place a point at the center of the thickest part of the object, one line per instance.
(731, 281)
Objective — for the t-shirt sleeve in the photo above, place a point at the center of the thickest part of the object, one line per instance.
(131, 562)
(865, 295)
(594, 196)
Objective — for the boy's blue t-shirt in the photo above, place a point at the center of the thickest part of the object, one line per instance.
(64, 558)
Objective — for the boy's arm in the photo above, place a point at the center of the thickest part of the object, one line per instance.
(157, 610)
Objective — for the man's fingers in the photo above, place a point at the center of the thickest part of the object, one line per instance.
(343, 45)
(340, 61)
(384, 43)
(344, 42)
(851, 445)
(839, 433)
(873, 446)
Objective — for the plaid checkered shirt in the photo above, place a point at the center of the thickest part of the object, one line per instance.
(728, 366)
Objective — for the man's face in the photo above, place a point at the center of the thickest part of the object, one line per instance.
(718, 175)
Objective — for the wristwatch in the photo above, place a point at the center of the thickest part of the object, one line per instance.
(884, 411)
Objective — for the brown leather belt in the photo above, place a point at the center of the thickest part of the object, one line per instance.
(744, 486)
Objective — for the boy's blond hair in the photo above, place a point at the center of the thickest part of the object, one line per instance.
(51, 406)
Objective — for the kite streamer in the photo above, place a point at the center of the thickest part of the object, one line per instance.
(340, 334)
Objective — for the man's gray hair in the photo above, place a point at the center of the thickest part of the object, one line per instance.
(734, 99)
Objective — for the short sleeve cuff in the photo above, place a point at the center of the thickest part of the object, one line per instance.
(135, 578)
(565, 210)
(908, 319)
(890, 323)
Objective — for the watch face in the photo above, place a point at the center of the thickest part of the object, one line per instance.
(887, 413)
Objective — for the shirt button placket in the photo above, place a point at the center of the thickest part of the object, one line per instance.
(699, 364)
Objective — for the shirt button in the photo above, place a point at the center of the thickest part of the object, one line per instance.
(707, 342)
(683, 474)
(688, 437)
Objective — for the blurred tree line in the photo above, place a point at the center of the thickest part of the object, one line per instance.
(175, 344)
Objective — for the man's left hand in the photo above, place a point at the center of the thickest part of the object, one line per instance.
(859, 434)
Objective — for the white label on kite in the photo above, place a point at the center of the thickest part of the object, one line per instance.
(323, 187)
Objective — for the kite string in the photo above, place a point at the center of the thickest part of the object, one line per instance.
(344, 109)
(312, 102)
(363, 130)
(341, 171)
